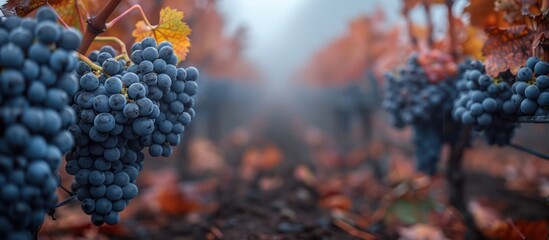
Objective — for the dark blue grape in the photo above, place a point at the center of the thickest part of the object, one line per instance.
(541, 68)
(532, 92)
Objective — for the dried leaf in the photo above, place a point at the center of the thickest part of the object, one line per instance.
(170, 28)
(473, 43)
(507, 49)
(494, 226)
(66, 9)
(337, 202)
(21, 7)
(482, 14)
(511, 10)
(421, 231)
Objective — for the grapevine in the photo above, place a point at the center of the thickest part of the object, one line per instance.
(102, 110)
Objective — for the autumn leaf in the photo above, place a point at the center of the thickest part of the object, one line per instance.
(66, 9)
(170, 28)
(473, 43)
(482, 14)
(511, 10)
(21, 7)
(421, 231)
(507, 49)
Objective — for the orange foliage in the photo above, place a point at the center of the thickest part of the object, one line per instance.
(494, 226)
(218, 55)
(170, 28)
(260, 159)
(366, 45)
(168, 196)
(483, 14)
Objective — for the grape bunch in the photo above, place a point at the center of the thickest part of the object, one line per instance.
(531, 90)
(485, 103)
(171, 88)
(112, 110)
(423, 101)
(36, 82)
(123, 108)
(410, 98)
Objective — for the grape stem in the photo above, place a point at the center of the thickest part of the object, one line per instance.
(514, 227)
(96, 25)
(58, 17)
(124, 54)
(66, 201)
(92, 65)
(125, 13)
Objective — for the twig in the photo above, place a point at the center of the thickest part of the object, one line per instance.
(66, 190)
(122, 15)
(353, 231)
(96, 25)
(58, 17)
(79, 13)
(451, 29)
(66, 201)
(427, 8)
(413, 38)
(515, 228)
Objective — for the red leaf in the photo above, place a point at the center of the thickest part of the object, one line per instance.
(21, 7)
(507, 49)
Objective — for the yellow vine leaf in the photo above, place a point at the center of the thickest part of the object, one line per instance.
(170, 28)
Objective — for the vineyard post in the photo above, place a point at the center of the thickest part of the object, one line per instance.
(456, 181)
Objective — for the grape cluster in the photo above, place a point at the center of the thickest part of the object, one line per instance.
(485, 103)
(410, 98)
(123, 108)
(113, 112)
(531, 90)
(171, 88)
(36, 82)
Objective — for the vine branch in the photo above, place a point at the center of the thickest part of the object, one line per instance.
(125, 13)
(96, 25)
(427, 8)
(409, 25)
(451, 29)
